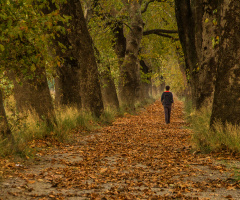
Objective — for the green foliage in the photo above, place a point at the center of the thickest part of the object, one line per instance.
(25, 35)
(158, 50)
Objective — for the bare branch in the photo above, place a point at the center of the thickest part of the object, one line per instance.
(159, 31)
(147, 4)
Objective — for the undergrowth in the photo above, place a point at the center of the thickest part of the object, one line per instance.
(215, 139)
(28, 128)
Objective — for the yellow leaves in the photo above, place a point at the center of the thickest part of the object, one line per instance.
(231, 188)
(33, 68)
(2, 47)
(31, 181)
(102, 170)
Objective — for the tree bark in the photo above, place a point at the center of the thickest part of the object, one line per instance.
(129, 87)
(196, 31)
(207, 52)
(145, 86)
(226, 103)
(108, 89)
(120, 42)
(90, 85)
(67, 84)
(4, 128)
(33, 94)
(67, 80)
(186, 30)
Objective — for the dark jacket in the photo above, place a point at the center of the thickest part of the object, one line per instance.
(167, 98)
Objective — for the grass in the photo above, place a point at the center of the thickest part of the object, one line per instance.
(217, 138)
(234, 166)
(28, 128)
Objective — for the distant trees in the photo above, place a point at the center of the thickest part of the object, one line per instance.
(122, 22)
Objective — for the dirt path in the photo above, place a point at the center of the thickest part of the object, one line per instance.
(138, 157)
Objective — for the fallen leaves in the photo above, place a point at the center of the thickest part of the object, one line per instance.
(138, 157)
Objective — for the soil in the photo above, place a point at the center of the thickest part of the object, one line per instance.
(137, 157)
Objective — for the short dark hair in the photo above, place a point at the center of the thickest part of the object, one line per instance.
(167, 87)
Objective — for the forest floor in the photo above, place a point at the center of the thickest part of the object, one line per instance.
(137, 157)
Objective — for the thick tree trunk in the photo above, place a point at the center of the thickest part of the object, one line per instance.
(206, 15)
(108, 89)
(186, 29)
(226, 103)
(82, 43)
(129, 87)
(120, 42)
(196, 31)
(33, 94)
(4, 128)
(67, 80)
(67, 84)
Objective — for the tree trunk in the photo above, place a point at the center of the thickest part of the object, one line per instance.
(67, 80)
(33, 94)
(196, 31)
(146, 84)
(4, 128)
(67, 84)
(186, 29)
(129, 87)
(205, 14)
(108, 89)
(226, 103)
(82, 43)
(120, 42)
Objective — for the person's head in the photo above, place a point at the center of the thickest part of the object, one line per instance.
(167, 87)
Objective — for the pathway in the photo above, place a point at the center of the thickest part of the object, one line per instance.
(137, 157)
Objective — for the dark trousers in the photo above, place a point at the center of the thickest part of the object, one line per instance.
(167, 111)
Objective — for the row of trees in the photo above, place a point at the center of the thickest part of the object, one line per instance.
(208, 31)
(39, 35)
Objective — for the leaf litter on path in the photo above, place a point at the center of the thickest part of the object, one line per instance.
(137, 157)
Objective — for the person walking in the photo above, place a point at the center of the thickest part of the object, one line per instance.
(167, 101)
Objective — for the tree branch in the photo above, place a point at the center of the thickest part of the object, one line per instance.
(147, 4)
(159, 31)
